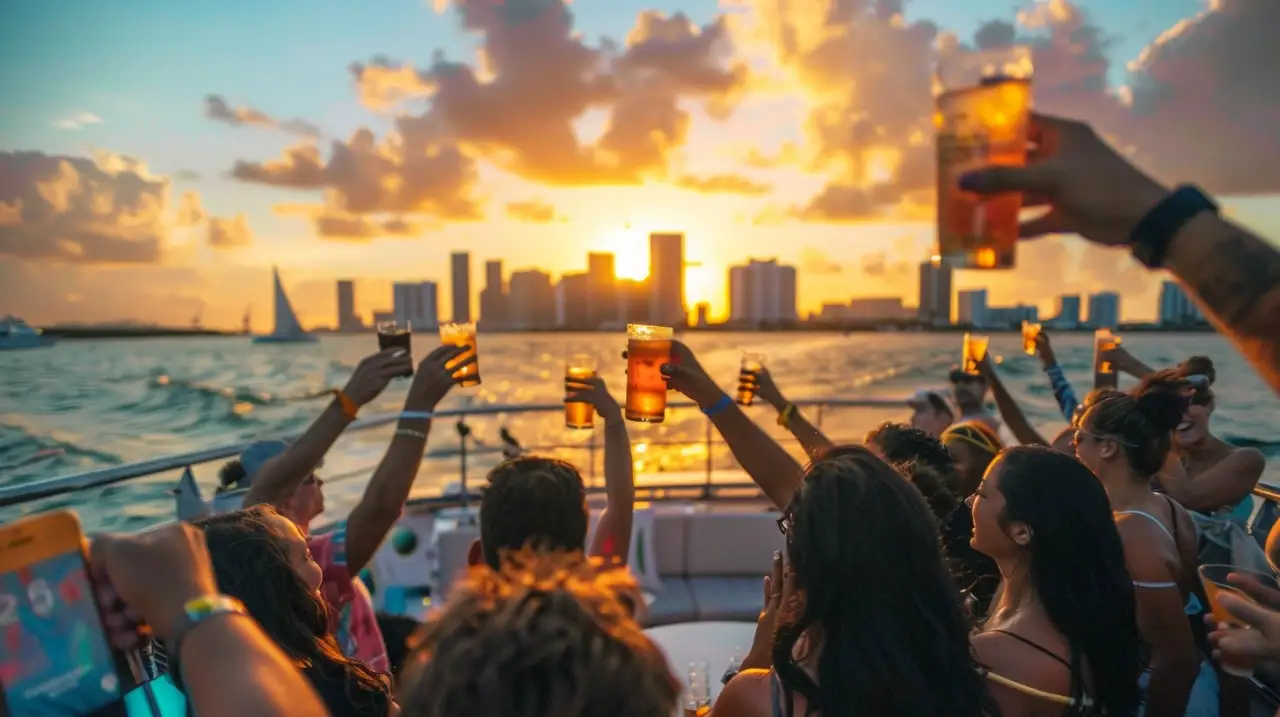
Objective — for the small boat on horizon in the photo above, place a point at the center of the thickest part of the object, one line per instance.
(287, 329)
(17, 334)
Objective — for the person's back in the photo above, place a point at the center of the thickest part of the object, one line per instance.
(546, 634)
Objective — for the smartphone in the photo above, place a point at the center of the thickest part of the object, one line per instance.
(55, 658)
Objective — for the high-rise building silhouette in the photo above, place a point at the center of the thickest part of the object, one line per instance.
(416, 304)
(348, 320)
(633, 301)
(762, 292)
(571, 301)
(531, 300)
(460, 275)
(935, 294)
(1176, 308)
(703, 311)
(972, 307)
(602, 290)
(493, 297)
(1068, 316)
(666, 279)
(1104, 310)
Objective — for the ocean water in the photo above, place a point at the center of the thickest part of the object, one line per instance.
(89, 404)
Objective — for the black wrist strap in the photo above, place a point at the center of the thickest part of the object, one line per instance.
(1152, 235)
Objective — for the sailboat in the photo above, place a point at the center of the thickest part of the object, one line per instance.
(287, 329)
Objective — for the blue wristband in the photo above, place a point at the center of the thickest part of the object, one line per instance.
(719, 406)
(416, 414)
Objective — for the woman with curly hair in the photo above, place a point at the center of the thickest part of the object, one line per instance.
(261, 558)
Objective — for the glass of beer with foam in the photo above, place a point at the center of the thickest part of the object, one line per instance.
(1030, 332)
(462, 333)
(982, 113)
(1104, 374)
(648, 347)
(578, 369)
(972, 352)
(749, 377)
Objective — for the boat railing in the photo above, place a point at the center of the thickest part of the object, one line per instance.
(63, 485)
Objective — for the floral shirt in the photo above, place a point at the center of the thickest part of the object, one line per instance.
(351, 615)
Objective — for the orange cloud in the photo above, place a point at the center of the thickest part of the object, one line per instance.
(218, 109)
(104, 210)
(229, 233)
(723, 184)
(533, 211)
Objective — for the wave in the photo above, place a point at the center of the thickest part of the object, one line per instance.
(22, 449)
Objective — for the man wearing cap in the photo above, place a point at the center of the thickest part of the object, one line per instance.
(283, 475)
(970, 393)
(931, 411)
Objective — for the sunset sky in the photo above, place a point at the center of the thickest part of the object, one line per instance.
(156, 155)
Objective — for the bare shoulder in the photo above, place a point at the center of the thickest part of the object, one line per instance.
(748, 694)
(1247, 459)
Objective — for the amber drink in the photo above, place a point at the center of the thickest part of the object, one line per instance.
(983, 102)
(1030, 332)
(749, 378)
(462, 334)
(1214, 579)
(1104, 374)
(648, 347)
(578, 370)
(972, 352)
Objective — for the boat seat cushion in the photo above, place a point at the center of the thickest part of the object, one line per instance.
(730, 597)
(732, 544)
(454, 545)
(674, 603)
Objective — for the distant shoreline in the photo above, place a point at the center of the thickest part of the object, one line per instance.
(142, 332)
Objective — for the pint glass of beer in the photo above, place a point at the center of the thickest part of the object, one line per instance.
(1214, 579)
(983, 110)
(393, 335)
(1030, 332)
(648, 347)
(579, 369)
(1104, 374)
(462, 334)
(972, 351)
(749, 377)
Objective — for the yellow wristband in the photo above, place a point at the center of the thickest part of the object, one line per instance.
(349, 407)
(784, 416)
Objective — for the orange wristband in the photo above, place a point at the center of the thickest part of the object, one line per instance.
(349, 407)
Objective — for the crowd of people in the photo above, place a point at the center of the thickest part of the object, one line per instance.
(935, 570)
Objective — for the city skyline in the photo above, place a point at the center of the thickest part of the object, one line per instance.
(376, 145)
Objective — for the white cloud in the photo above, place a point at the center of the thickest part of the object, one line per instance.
(77, 121)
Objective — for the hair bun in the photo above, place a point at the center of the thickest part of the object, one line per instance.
(1201, 365)
(1162, 407)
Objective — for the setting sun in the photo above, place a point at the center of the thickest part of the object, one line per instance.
(630, 247)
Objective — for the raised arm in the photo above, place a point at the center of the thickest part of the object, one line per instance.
(279, 477)
(1232, 273)
(1010, 411)
(1066, 397)
(814, 441)
(768, 464)
(612, 539)
(228, 665)
(383, 500)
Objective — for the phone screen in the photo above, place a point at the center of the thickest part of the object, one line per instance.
(54, 657)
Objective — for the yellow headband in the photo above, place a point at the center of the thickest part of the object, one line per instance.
(973, 435)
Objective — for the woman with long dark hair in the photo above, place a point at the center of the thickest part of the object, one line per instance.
(1125, 441)
(1063, 634)
(871, 622)
(261, 558)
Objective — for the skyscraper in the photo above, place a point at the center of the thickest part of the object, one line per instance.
(762, 292)
(417, 304)
(532, 300)
(461, 277)
(1176, 308)
(972, 307)
(493, 297)
(1104, 310)
(1068, 316)
(571, 301)
(666, 280)
(347, 318)
(935, 294)
(602, 290)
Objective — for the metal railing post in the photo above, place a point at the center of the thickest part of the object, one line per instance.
(706, 489)
(818, 425)
(591, 457)
(464, 432)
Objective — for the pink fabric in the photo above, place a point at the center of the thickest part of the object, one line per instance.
(351, 615)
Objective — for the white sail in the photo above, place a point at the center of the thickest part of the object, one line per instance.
(287, 328)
